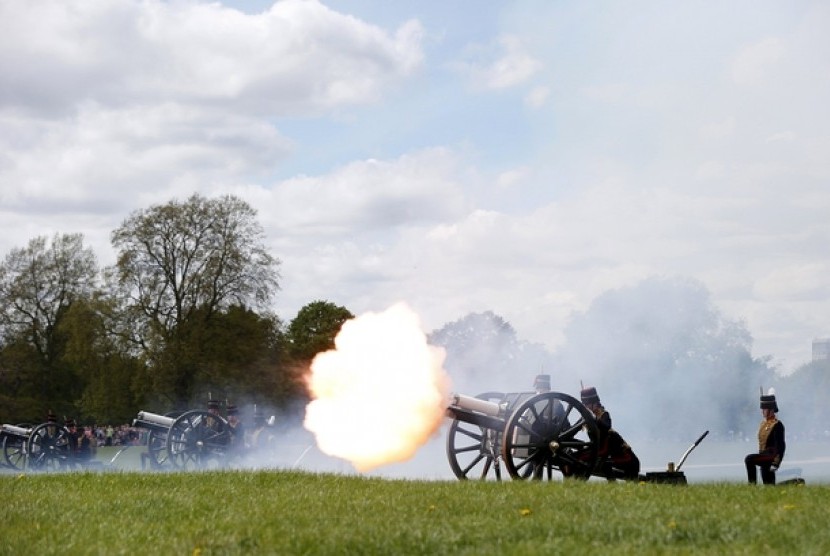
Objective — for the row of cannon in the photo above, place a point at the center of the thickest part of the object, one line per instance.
(531, 435)
(188, 440)
(43, 447)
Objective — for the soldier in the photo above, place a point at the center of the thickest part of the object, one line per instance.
(541, 384)
(260, 438)
(616, 458)
(72, 437)
(771, 443)
(213, 407)
(237, 429)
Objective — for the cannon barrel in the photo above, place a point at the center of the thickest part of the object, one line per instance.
(476, 411)
(471, 403)
(153, 421)
(14, 430)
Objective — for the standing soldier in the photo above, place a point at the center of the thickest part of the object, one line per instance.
(541, 384)
(214, 417)
(237, 429)
(72, 437)
(771, 443)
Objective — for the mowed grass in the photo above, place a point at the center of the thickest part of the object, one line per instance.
(285, 512)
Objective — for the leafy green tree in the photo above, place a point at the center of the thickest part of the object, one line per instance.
(179, 265)
(240, 355)
(38, 285)
(314, 328)
(109, 373)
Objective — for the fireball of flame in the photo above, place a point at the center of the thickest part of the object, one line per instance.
(381, 393)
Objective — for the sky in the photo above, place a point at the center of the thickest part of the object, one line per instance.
(518, 157)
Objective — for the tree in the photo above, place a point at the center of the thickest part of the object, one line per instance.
(179, 264)
(314, 328)
(240, 355)
(485, 354)
(38, 285)
(665, 360)
(111, 391)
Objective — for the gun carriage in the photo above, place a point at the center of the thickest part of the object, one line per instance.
(535, 436)
(194, 439)
(45, 447)
(538, 436)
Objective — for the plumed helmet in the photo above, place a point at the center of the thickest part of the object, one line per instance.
(542, 383)
(768, 401)
(589, 395)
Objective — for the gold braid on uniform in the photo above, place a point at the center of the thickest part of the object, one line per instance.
(763, 433)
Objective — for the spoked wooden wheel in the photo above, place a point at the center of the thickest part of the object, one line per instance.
(157, 444)
(48, 448)
(474, 451)
(198, 440)
(550, 435)
(14, 450)
(157, 448)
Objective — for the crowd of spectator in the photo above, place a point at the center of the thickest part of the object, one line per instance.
(109, 435)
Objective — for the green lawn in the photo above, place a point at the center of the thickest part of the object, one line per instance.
(281, 512)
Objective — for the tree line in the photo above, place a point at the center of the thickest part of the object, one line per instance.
(183, 314)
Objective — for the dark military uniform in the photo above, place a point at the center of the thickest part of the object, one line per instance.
(616, 458)
(237, 429)
(72, 436)
(771, 446)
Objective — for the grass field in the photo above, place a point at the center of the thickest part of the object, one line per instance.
(284, 512)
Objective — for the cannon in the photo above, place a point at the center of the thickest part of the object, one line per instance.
(45, 447)
(194, 439)
(14, 444)
(534, 435)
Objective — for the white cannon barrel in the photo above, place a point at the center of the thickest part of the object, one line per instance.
(155, 419)
(14, 430)
(475, 404)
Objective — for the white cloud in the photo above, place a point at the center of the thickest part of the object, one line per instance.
(96, 156)
(718, 130)
(537, 97)
(365, 196)
(782, 136)
(753, 62)
(299, 56)
(501, 67)
(804, 281)
(609, 92)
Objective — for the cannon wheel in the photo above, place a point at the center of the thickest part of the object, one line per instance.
(157, 444)
(14, 449)
(473, 451)
(198, 440)
(48, 448)
(550, 432)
